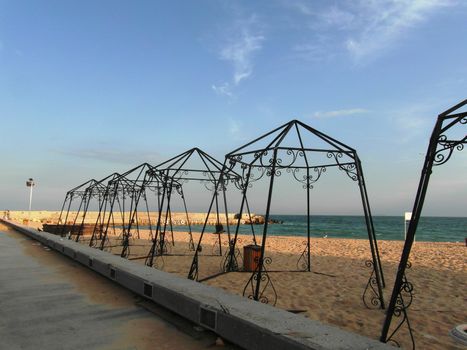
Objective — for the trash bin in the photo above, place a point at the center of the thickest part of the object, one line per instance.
(251, 256)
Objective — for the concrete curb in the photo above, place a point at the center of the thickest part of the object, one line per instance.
(249, 324)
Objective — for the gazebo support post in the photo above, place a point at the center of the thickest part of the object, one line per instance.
(260, 267)
(67, 212)
(402, 292)
(376, 276)
(308, 224)
(194, 269)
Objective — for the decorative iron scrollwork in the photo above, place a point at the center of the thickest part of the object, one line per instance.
(179, 189)
(253, 178)
(105, 244)
(158, 262)
(194, 268)
(349, 168)
(126, 245)
(401, 311)
(307, 180)
(209, 185)
(216, 248)
(180, 176)
(233, 160)
(232, 258)
(162, 247)
(248, 177)
(191, 243)
(302, 262)
(267, 292)
(403, 302)
(276, 172)
(260, 155)
(443, 154)
(279, 161)
(371, 297)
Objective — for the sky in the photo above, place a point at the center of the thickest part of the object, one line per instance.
(88, 88)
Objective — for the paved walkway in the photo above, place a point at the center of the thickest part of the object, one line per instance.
(48, 301)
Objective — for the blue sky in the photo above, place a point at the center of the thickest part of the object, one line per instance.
(88, 88)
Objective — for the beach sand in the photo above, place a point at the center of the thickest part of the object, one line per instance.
(332, 291)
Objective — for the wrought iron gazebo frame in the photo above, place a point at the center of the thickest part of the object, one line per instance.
(439, 151)
(80, 191)
(174, 173)
(129, 185)
(271, 166)
(95, 189)
(150, 183)
(103, 214)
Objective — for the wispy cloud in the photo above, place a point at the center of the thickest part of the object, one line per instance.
(240, 53)
(362, 29)
(112, 155)
(339, 113)
(244, 40)
(303, 7)
(236, 129)
(234, 126)
(387, 22)
(337, 18)
(316, 51)
(223, 89)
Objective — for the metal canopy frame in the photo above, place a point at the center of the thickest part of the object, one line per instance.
(439, 152)
(86, 192)
(97, 233)
(173, 174)
(79, 192)
(270, 160)
(95, 190)
(123, 193)
(138, 190)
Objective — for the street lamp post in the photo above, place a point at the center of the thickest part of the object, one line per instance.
(30, 183)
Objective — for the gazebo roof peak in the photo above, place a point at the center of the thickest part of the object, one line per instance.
(193, 164)
(192, 159)
(82, 187)
(293, 135)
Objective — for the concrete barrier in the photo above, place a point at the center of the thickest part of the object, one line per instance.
(244, 322)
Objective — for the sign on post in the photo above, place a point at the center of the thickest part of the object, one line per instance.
(407, 218)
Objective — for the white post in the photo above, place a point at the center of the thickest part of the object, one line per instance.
(30, 198)
(30, 183)
(408, 217)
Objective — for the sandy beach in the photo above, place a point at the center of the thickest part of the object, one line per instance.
(332, 291)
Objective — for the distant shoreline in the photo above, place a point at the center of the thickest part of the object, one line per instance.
(272, 214)
(388, 228)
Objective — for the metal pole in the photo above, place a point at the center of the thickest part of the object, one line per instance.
(377, 268)
(260, 267)
(30, 202)
(30, 184)
(30, 197)
(416, 213)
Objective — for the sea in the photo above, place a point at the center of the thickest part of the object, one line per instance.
(430, 229)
